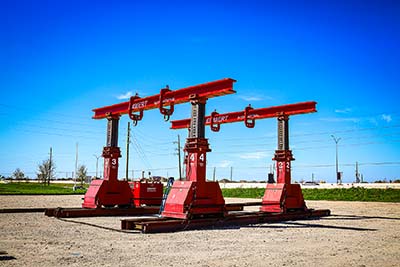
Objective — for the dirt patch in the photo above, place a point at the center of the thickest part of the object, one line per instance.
(357, 234)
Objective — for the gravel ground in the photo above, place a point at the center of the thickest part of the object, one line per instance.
(357, 234)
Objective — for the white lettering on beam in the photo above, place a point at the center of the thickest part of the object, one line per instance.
(166, 100)
(218, 119)
(139, 105)
(171, 99)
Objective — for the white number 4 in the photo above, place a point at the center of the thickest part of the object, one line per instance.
(201, 158)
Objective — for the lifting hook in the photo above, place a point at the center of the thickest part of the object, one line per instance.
(166, 112)
(249, 122)
(215, 126)
(134, 117)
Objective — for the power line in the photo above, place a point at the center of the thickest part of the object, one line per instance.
(302, 148)
(30, 109)
(58, 134)
(273, 135)
(347, 131)
(61, 129)
(147, 138)
(347, 145)
(294, 166)
(140, 152)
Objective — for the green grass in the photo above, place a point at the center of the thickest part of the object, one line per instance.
(243, 192)
(350, 194)
(353, 194)
(38, 189)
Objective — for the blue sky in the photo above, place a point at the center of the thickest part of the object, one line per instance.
(61, 59)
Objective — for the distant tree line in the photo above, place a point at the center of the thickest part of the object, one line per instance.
(46, 173)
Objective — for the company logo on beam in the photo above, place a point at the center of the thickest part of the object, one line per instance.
(139, 105)
(217, 119)
(166, 100)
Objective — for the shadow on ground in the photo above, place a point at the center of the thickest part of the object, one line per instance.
(5, 257)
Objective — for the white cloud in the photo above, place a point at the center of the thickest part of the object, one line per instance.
(343, 111)
(253, 155)
(125, 96)
(254, 97)
(372, 120)
(355, 120)
(387, 118)
(224, 164)
(251, 98)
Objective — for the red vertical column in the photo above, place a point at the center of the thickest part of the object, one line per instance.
(283, 155)
(111, 151)
(196, 144)
(111, 155)
(283, 166)
(196, 159)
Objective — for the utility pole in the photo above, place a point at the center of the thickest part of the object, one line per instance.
(97, 164)
(51, 156)
(76, 163)
(338, 176)
(231, 173)
(214, 174)
(184, 166)
(179, 157)
(128, 135)
(357, 173)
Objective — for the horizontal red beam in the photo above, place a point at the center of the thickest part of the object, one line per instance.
(253, 114)
(205, 90)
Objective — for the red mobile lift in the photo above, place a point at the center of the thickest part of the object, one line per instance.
(283, 195)
(110, 191)
(196, 203)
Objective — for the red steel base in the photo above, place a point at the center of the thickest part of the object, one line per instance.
(108, 194)
(189, 199)
(283, 197)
